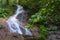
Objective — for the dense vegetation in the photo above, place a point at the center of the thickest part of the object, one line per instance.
(45, 13)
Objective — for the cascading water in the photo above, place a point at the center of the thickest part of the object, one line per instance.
(14, 24)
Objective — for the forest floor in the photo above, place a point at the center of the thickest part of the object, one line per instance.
(6, 35)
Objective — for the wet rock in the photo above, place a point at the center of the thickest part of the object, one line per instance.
(54, 35)
(27, 37)
(57, 36)
(6, 35)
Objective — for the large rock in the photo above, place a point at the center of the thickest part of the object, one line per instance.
(6, 35)
(54, 35)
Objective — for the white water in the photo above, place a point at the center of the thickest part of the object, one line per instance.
(14, 24)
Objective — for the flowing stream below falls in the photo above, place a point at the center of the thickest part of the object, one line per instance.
(14, 23)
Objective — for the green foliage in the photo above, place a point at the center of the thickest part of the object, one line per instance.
(31, 6)
(53, 28)
(43, 30)
(40, 16)
(28, 26)
(43, 33)
(5, 12)
(48, 13)
(2, 3)
(1, 12)
(13, 2)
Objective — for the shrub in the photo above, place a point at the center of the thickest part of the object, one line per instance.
(49, 12)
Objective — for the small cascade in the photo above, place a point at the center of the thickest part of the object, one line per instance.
(15, 25)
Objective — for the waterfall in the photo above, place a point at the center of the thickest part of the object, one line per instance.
(14, 24)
